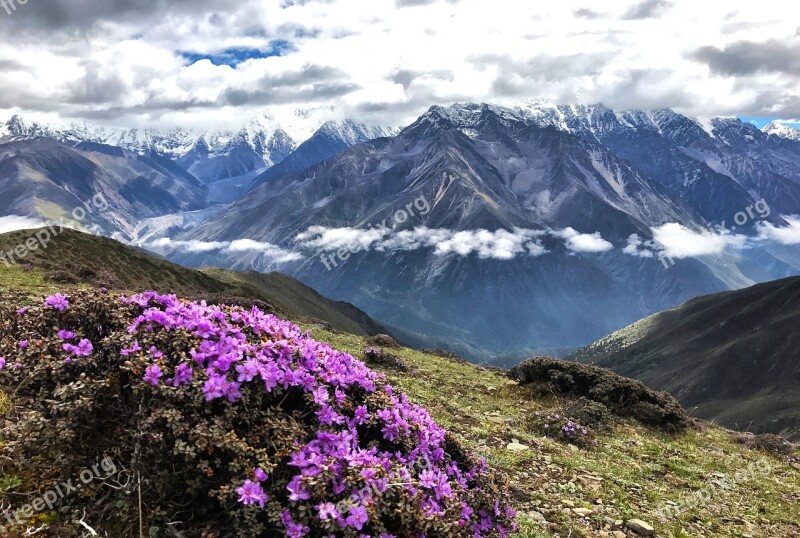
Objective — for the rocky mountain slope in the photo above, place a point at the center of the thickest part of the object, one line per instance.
(92, 185)
(552, 196)
(732, 357)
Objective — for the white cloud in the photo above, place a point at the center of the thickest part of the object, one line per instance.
(678, 241)
(269, 250)
(13, 223)
(499, 245)
(633, 247)
(322, 238)
(581, 242)
(786, 235)
(122, 62)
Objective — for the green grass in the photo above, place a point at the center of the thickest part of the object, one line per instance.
(89, 259)
(633, 470)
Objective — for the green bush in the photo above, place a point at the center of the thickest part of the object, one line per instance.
(227, 422)
(620, 395)
(590, 413)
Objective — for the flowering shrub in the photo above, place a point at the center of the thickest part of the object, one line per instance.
(230, 422)
(564, 429)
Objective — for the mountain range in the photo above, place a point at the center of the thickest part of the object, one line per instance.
(537, 217)
(542, 215)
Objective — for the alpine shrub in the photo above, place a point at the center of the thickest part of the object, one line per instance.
(228, 422)
(621, 395)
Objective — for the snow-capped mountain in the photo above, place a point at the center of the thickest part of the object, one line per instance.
(332, 137)
(17, 128)
(782, 130)
(542, 217)
(719, 166)
(535, 216)
(263, 140)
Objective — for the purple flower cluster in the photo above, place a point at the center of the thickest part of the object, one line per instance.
(563, 427)
(58, 302)
(362, 453)
(571, 428)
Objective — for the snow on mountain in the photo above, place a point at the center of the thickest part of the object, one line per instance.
(263, 140)
(331, 138)
(543, 215)
(783, 130)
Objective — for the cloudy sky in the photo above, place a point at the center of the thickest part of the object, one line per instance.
(207, 63)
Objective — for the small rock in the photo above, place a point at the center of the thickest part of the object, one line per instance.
(640, 527)
(569, 503)
(497, 420)
(517, 447)
(582, 511)
(536, 516)
(619, 534)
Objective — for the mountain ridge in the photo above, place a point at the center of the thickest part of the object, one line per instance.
(731, 357)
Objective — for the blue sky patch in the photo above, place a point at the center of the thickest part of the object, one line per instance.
(235, 56)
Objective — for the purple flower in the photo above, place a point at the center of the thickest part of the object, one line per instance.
(23, 344)
(251, 493)
(153, 374)
(155, 353)
(183, 374)
(357, 518)
(327, 511)
(84, 348)
(2, 363)
(231, 346)
(57, 301)
(66, 335)
(135, 347)
(247, 371)
(23, 310)
(298, 492)
(215, 386)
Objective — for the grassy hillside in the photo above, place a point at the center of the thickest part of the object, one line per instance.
(632, 472)
(733, 357)
(78, 258)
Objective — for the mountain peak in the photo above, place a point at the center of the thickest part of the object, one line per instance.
(778, 128)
